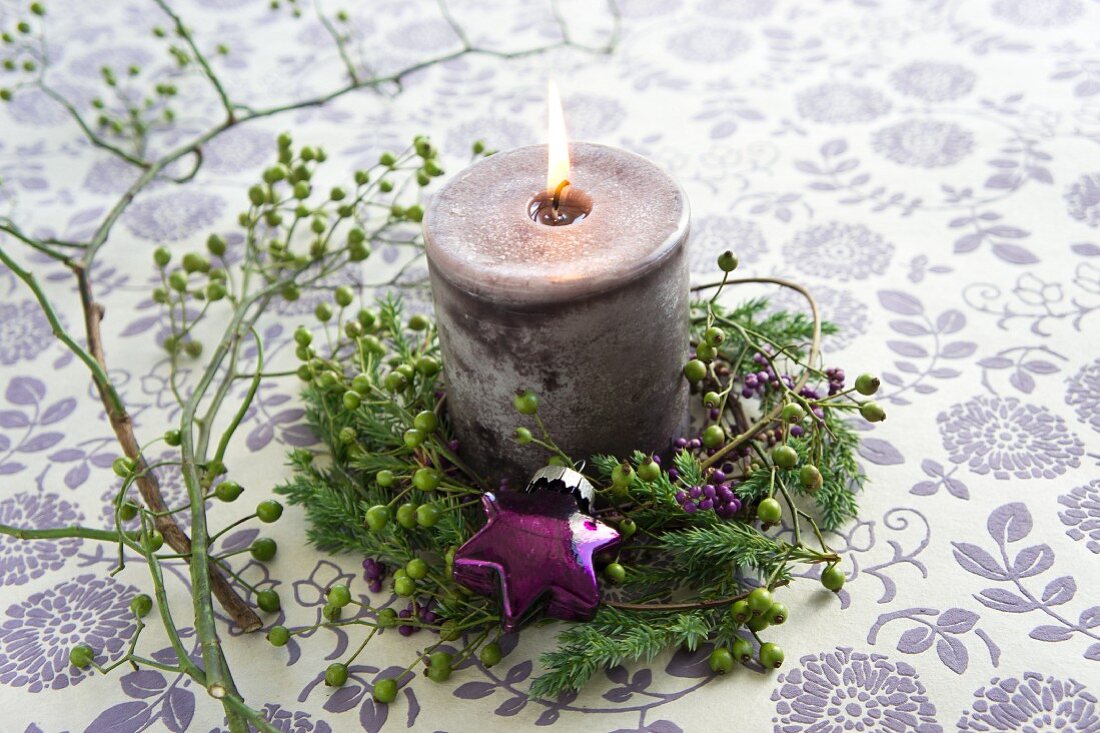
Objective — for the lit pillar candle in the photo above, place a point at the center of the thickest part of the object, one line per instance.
(578, 292)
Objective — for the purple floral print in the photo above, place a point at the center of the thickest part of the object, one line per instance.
(1007, 438)
(923, 143)
(712, 235)
(39, 632)
(24, 331)
(1083, 199)
(933, 81)
(846, 690)
(839, 251)
(1033, 704)
(1083, 394)
(1082, 514)
(840, 102)
(21, 561)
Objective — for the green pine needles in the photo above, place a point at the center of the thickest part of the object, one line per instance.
(707, 536)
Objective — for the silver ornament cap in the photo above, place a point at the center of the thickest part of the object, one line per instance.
(564, 480)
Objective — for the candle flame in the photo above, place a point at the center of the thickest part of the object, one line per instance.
(557, 169)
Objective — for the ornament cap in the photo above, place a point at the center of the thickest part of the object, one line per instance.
(564, 481)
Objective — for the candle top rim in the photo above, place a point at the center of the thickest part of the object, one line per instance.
(479, 236)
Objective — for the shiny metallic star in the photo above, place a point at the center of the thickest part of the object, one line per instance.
(535, 545)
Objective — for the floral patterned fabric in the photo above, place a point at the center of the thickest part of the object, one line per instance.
(929, 169)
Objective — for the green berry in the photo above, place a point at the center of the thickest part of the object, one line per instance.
(123, 466)
(416, 569)
(491, 654)
(714, 336)
(153, 540)
(622, 475)
(194, 262)
(706, 352)
(268, 601)
(742, 649)
(427, 515)
(336, 675)
(769, 511)
(301, 190)
(387, 618)
(524, 436)
(395, 382)
(378, 516)
(832, 577)
(339, 595)
(351, 400)
(867, 384)
(278, 635)
(615, 573)
(141, 605)
(227, 491)
(263, 549)
(127, 511)
(627, 528)
(776, 614)
(526, 402)
(727, 262)
(38, 9)
(872, 412)
(384, 690)
(406, 515)
(269, 511)
(427, 366)
(784, 456)
(385, 478)
(427, 421)
(387, 158)
(404, 586)
(449, 630)
(711, 399)
(419, 323)
(440, 660)
(713, 436)
(771, 655)
(414, 438)
(810, 478)
(759, 600)
(721, 661)
(331, 613)
(757, 624)
(648, 470)
(438, 674)
(323, 312)
(161, 256)
(426, 479)
(793, 412)
(81, 656)
(741, 611)
(343, 296)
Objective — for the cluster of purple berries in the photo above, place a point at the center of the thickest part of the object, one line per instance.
(716, 496)
(424, 613)
(756, 383)
(373, 572)
(836, 380)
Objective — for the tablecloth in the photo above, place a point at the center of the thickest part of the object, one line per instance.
(929, 168)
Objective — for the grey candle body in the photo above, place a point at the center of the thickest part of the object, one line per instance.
(593, 316)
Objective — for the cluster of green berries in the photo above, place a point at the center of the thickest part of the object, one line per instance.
(23, 56)
(757, 611)
(195, 278)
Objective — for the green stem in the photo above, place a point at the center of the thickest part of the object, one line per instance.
(87, 533)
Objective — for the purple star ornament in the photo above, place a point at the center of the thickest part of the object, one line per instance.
(538, 543)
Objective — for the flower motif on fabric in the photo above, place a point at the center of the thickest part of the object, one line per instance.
(1038, 13)
(1083, 199)
(708, 44)
(239, 149)
(1008, 438)
(24, 331)
(21, 561)
(1033, 704)
(839, 251)
(714, 234)
(839, 102)
(846, 690)
(923, 143)
(933, 81)
(839, 307)
(1082, 514)
(593, 115)
(39, 632)
(736, 9)
(173, 216)
(1083, 394)
(290, 721)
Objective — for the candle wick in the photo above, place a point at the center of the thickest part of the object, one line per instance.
(555, 200)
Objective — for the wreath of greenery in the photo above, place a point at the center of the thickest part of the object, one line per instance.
(393, 489)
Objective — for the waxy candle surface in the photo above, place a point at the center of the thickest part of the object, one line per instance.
(591, 316)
